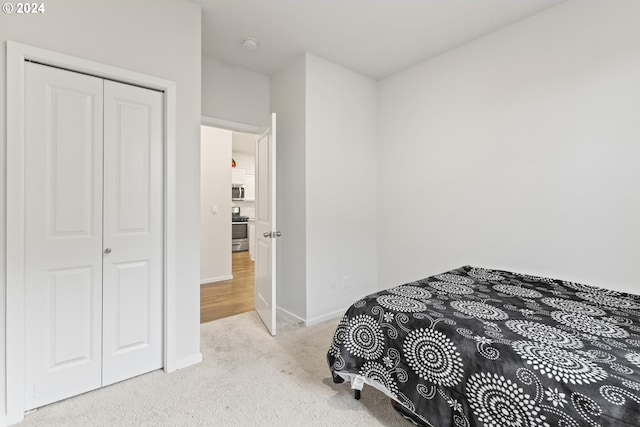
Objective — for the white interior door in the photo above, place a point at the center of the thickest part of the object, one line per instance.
(132, 247)
(93, 233)
(265, 267)
(63, 234)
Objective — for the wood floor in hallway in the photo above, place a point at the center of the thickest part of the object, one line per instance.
(223, 299)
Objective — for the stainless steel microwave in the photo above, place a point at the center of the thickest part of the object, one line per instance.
(237, 193)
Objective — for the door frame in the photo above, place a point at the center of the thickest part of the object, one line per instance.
(257, 131)
(229, 125)
(17, 54)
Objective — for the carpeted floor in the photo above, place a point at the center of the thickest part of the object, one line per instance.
(247, 378)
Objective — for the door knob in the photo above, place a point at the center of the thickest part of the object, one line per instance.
(107, 251)
(272, 234)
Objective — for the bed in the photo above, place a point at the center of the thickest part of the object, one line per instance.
(480, 347)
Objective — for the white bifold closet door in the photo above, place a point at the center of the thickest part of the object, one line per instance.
(93, 233)
(132, 230)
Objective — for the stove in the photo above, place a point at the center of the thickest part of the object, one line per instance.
(235, 215)
(239, 230)
(239, 218)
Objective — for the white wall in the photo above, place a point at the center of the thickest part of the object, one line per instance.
(341, 187)
(156, 38)
(215, 190)
(327, 190)
(518, 151)
(288, 101)
(245, 145)
(234, 94)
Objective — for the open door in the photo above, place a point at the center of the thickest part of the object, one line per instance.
(265, 267)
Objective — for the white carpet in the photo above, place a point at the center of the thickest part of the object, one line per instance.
(247, 378)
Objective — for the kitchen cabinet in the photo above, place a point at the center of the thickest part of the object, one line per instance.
(249, 187)
(237, 176)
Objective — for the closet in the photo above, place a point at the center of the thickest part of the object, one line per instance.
(93, 241)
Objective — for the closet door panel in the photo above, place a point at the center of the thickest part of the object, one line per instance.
(63, 234)
(133, 206)
(131, 295)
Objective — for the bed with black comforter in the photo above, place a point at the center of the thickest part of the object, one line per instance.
(479, 347)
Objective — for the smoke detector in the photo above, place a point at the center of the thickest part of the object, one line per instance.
(250, 43)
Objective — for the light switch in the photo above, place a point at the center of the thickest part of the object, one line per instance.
(214, 209)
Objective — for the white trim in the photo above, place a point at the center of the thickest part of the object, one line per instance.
(327, 316)
(17, 53)
(216, 279)
(14, 248)
(319, 319)
(170, 230)
(188, 361)
(229, 125)
(289, 316)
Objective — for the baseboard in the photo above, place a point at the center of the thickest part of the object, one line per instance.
(189, 361)
(216, 279)
(289, 316)
(318, 319)
(327, 316)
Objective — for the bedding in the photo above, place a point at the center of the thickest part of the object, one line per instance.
(480, 347)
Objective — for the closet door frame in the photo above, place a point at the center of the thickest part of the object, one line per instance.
(17, 54)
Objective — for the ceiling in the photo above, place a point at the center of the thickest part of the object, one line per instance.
(376, 38)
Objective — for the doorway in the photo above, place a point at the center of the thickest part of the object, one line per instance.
(227, 241)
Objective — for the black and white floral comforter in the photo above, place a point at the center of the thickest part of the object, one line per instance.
(478, 347)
